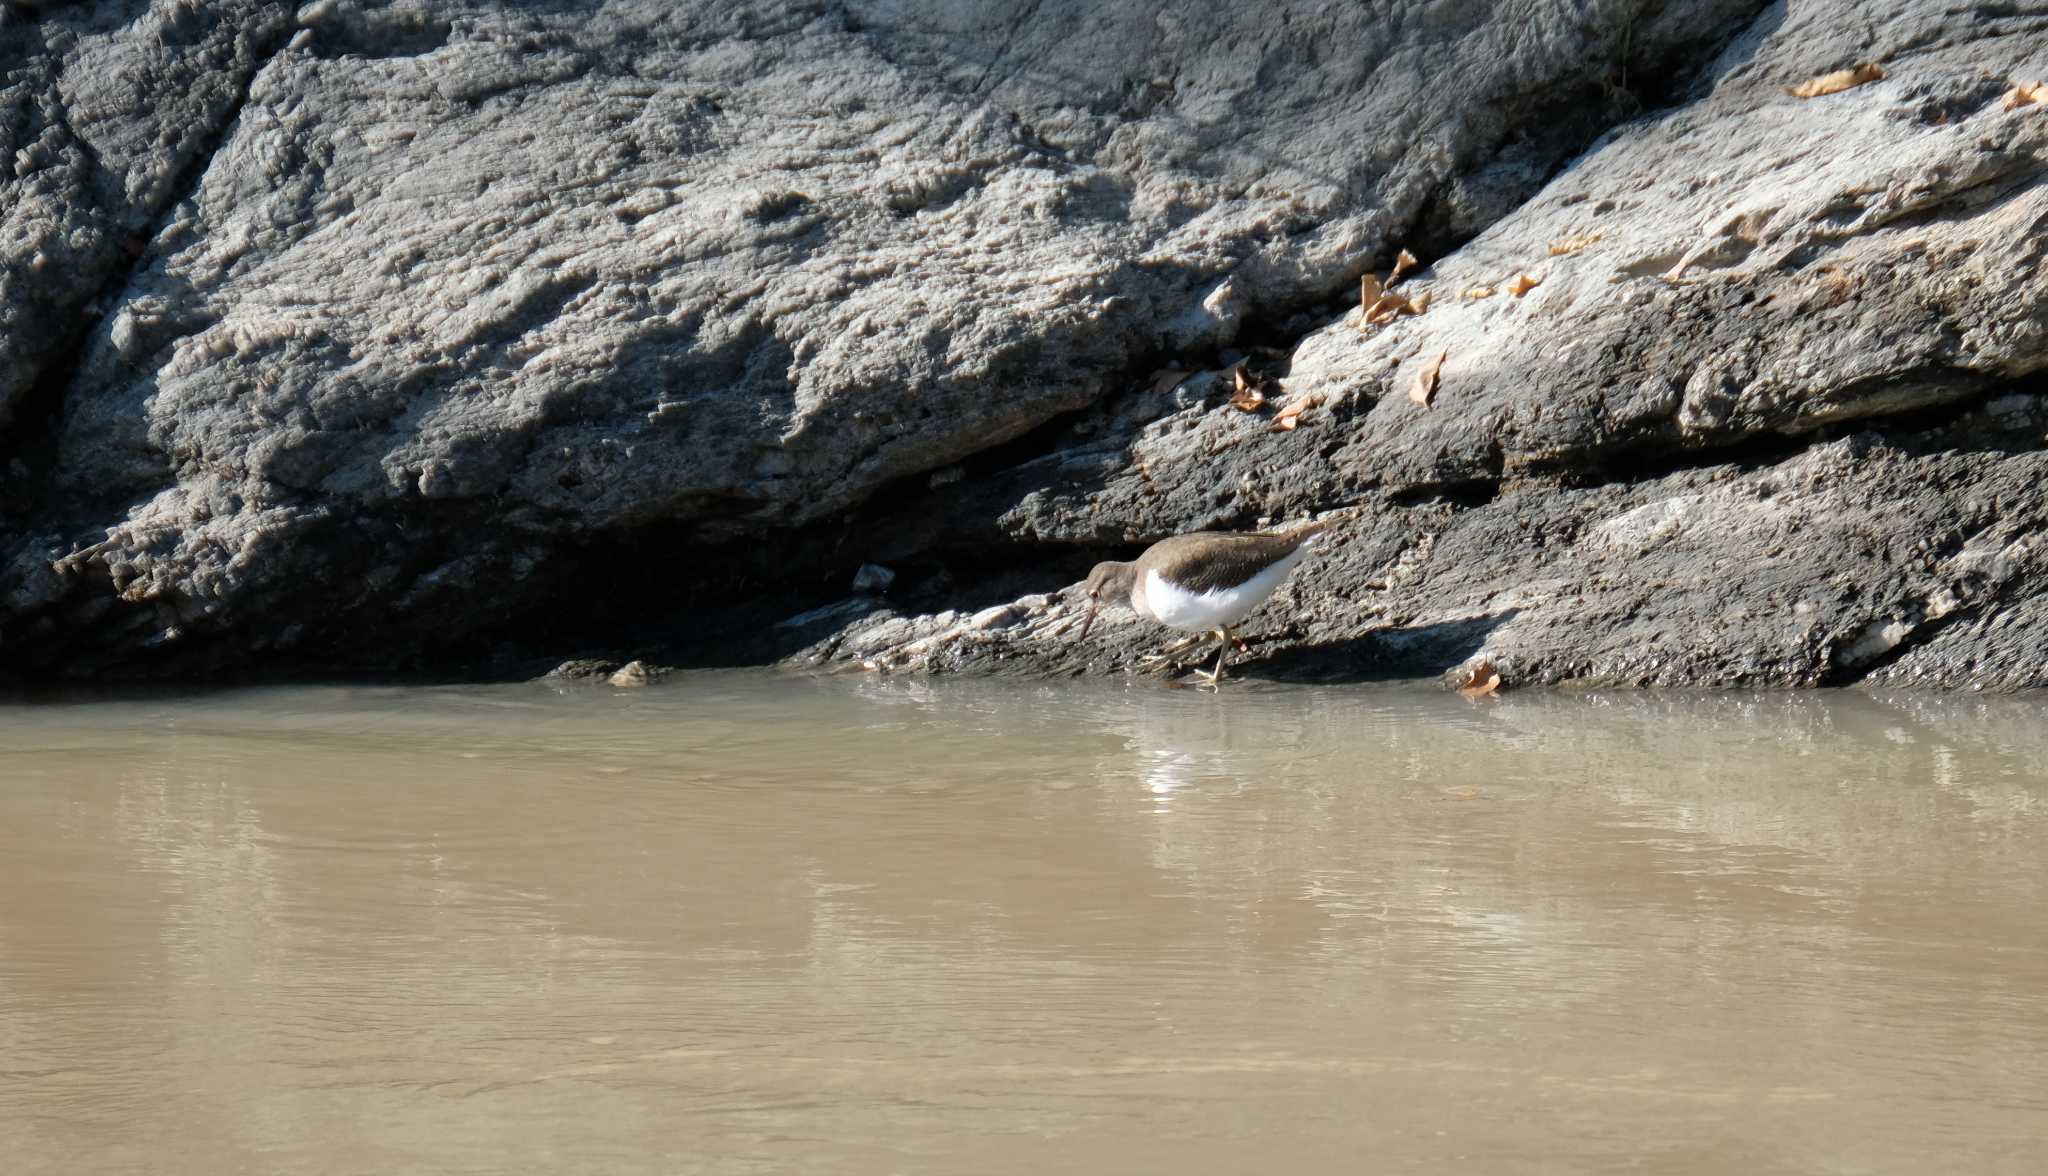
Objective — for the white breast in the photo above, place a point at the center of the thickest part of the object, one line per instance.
(1218, 608)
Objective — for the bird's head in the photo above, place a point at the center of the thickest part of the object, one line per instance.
(1109, 581)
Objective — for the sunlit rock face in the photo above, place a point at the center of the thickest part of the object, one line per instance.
(351, 335)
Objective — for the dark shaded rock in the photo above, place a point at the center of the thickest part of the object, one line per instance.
(1891, 558)
(584, 668)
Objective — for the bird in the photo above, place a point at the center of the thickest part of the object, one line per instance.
(1201, 582)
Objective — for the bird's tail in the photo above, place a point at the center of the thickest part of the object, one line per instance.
(1304, 534)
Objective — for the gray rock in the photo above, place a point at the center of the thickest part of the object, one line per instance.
(431, 326)
(106, 113)
(583, 669)
(1637, 472)
(1898, 561)
(634, 674)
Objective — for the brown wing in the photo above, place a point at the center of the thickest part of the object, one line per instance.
(1207, 560)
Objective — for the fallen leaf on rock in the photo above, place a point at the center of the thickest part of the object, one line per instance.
(1424, 390)
(1167, 379)
(1386, 309)
(1369, 291)
(1481, 680)
(1391, 306)
(1838, 81)
(2024, 94)
(1245, 395)
(1290, 413)
(1404, 262)
(1478, 292)
(1521, 284)
(1571, 245)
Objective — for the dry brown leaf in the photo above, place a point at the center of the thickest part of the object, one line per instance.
(1245, 395)
(1290, 413)
(1390, 306)
(1167, 379)
(1481, 680)
(1478, 292)
(1521, 284)
(1838, 81)
(1571, 245)
(1369, 291)
(2024, 94)
(1424, 390)
(1403, 262)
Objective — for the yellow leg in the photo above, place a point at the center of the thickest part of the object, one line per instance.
(1222, 651)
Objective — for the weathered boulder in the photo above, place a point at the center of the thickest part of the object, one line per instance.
(468, 323)
(1764, 409)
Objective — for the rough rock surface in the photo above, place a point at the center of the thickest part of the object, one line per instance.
(105, 114)
(360, 335)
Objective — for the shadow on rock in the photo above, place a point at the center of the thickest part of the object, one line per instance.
(1382, 654)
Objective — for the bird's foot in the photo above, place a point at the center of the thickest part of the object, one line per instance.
(1165, 657)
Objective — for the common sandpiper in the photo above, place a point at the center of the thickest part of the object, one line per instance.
(1204, 582)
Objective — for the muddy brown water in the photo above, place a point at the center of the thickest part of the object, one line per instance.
(750, 923)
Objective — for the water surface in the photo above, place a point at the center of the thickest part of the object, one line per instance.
(749, 923)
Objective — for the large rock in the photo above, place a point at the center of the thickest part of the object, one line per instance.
(1770, 414)
(486, 322)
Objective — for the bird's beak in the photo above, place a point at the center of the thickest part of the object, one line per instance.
(1094, 606)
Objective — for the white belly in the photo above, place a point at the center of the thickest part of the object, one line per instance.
(1218, 608)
